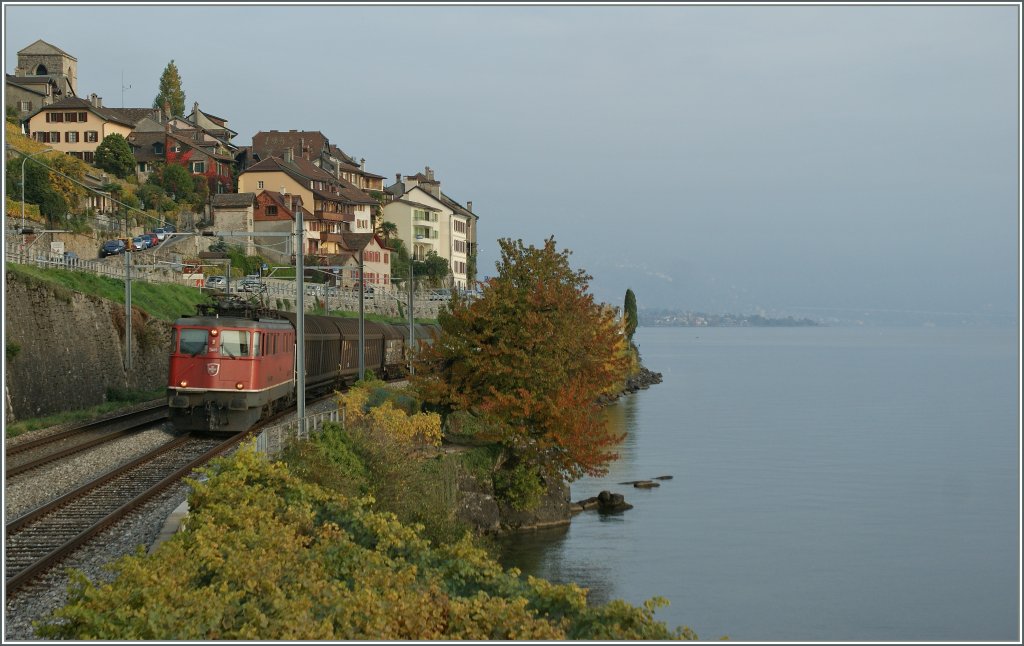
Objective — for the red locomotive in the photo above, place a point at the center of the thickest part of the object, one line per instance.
(232, 365)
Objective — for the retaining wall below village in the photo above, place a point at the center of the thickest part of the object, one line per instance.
(70, 350)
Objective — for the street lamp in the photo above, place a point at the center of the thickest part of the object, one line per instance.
(48, 150)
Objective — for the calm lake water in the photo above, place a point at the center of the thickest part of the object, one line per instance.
(829, 484)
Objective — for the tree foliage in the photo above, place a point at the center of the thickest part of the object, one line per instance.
(65, 173)
(267, 556)
(174, 179)
(533, 355)
(170, 91)
(114, 155)
(629, 314)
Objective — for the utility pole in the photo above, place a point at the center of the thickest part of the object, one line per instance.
(300, 325)
(362, 342)
(412, 337)
(128, 313)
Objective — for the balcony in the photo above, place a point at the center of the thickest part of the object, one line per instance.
(334, 216)
(331, 237)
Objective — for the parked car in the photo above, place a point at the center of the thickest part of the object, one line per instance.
(160, 234)
(141, 242)
(70, 256)
(216, 282)
(438, 295)
(169, 228)
(252, 284)
(112, 248)
(152, 237)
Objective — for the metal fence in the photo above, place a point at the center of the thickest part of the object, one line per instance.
(273, 440)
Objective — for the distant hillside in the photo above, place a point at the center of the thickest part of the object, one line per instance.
(671, 318)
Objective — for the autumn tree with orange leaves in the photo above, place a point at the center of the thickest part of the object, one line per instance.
(531, 357)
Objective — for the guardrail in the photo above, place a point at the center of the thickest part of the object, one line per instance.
(273, 440)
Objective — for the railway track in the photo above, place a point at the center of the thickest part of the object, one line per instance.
(40, 539)
(30, 455)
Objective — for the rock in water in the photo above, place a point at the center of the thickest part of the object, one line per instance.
(645, 484)
(609, 502)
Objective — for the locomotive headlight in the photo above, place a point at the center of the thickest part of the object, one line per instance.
(214, 332)
(239, 385)
(183, 383)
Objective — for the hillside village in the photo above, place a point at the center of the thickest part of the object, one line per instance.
(255, 187)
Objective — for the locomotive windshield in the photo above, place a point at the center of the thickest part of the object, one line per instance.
(192, 341)
(234, 343)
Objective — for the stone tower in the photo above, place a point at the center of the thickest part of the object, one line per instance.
(43, 59)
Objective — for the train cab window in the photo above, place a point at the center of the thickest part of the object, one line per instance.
(255, 344)
(192, 341)
(234, 343)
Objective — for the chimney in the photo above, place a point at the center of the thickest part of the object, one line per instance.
(167, 110)
(469, 206)
(195, 111)
(289, 154)
(96, 101)
(362, 164)
(302, 147)
(430, 174)
(398, 178)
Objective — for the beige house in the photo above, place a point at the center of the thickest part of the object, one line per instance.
(337, 204)
(429, 220)
(77, 126)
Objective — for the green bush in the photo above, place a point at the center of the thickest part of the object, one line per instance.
(519, 485)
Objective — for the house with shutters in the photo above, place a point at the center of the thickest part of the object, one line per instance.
(337, 205)
(429, 220)
(77, 126)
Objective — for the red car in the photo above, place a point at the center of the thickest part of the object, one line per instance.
(154, 241)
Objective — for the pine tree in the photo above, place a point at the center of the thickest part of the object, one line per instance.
(170, 91)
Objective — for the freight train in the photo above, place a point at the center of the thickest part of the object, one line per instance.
(233, 364)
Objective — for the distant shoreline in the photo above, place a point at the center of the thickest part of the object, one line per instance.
(700, 319)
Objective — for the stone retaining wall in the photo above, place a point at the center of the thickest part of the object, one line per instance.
(71, 349)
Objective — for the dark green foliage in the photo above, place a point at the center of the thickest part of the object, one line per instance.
(629, 313)
(11, 350)
(53, 207)
(37, 179)
(114, 155)
(175, 180)
(170, 91)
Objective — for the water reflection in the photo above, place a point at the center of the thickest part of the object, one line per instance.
(548, 554)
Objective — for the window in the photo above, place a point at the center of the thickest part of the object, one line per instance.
(54, 138)
(177, 149)
(83, 117)
(71, 117)
(77, 155)
(460, 226)
(270, 210)
(234, 343)
(158, 148)
(144, 167)
(259, 184)
(55, 117)
(255, 344)
(25, 106)
(71, 137)
(198, 167)
(89, 156)
(92, 136)
(192, 341)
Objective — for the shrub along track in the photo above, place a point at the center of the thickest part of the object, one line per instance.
(35, 453)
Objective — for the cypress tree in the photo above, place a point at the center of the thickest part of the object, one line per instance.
(629, 310)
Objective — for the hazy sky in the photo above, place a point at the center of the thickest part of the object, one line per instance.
(715, 158)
